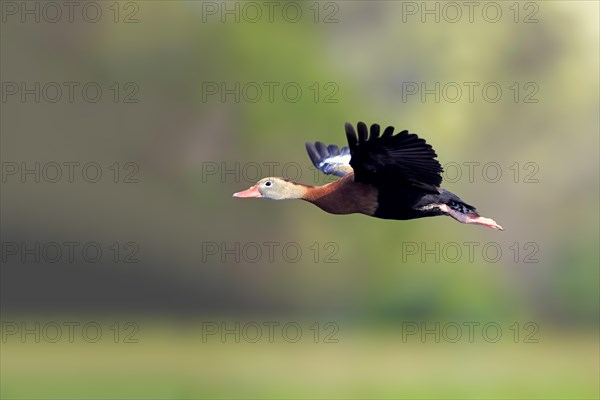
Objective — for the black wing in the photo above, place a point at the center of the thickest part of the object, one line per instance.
(386, 160)
(329, 159)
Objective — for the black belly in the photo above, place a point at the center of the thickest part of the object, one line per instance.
(405, 203)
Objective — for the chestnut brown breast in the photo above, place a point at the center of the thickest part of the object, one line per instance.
(344, 196)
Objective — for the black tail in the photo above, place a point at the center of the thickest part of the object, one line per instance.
(453, 206)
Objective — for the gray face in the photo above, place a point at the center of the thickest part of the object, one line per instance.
(271, 188)
(279, 189)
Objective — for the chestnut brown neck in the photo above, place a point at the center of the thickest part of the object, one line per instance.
(343, 196)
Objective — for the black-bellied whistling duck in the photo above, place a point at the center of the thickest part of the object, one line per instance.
(382, 175)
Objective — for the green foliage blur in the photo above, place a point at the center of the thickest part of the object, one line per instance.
(195, 147)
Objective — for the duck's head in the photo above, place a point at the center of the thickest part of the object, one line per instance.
(274, 189)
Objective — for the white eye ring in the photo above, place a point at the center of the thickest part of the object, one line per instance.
(268, 183)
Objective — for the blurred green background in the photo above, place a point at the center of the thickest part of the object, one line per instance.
(354, 61)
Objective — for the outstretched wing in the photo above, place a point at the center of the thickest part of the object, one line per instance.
(401, 159)
(329, 159)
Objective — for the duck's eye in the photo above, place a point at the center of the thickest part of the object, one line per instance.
(268, 183)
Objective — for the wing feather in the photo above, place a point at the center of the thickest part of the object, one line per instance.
(330, 160)
(401, 159)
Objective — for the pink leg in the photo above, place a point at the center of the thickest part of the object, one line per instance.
(471, 218)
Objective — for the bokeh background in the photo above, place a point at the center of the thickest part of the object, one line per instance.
(357, 61)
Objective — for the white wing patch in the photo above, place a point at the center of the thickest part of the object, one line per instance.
(330, 159)
(332, 164)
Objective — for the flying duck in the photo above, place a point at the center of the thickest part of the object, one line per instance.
(382, 175)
